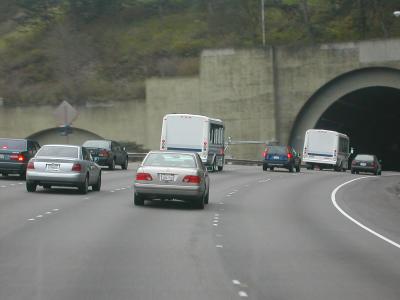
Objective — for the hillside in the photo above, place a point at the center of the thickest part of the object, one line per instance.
(100, 50)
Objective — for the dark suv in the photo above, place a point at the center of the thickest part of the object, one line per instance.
(281, 157)
(15, 154)
(107, 153)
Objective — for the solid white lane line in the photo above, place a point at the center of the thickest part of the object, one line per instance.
(243, 294)
(333, 198)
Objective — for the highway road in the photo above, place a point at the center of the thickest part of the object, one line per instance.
(264, 235)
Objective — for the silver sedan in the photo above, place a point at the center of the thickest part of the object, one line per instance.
(172, 175)
(63, 165)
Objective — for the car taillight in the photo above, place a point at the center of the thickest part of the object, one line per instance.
(144, 176)
(18, 157)
(31, 165)
(221, 151)
(76, 167)
(104, 153)
(289, 155)
(192, 179)
(265, 153)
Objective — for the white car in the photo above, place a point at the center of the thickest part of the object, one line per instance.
(63, 165)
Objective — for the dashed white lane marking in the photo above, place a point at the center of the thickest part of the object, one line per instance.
(86, 198)
(265, 180)
(219, 246)
(3, 186)
(48, 212)
(20, 183)
(243, 294)
(112, 191)
(236, 282)
(31, 219)
(216, 215)
(215, 224)
(221, 203)
(39, 216)
(12, 184)
(333, 198)
(55, 209)
(124, 188)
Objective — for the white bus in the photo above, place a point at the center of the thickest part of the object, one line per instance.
(195, 133)
(326, 149)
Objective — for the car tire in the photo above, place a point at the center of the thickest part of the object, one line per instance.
(97, 186)
(46, 186)
(124, 166)
(265, 168)
(220, 168)
(138, 199)
(207, 197)
(22, 175)
(272, 168)
(291, 169)
(112, 164)
(298, 169)
(353, 172)
(31, 186)
(199, 202)
(84, 186)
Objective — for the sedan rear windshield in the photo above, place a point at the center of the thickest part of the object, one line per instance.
(9, 144)
(364, 157)
(58, 151)
(170, 160)
(277, 150)
(97, 144)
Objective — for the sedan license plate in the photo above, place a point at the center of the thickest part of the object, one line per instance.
(363, 164)
(167, 177)
(276, 157)
(53, 167)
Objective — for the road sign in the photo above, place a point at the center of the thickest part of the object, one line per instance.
(65, 113)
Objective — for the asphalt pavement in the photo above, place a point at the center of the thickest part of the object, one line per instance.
(264, 235)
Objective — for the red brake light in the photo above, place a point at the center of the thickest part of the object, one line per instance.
(192, 179)
(18, 157)
(221, 151)
(265, 153)
(144, 176)
(289, 155)
(31, 165)
(77, 167)
(21, 157)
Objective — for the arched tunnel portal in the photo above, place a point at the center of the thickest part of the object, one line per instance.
(365, 105)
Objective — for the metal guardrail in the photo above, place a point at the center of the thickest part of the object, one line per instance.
(133, 156)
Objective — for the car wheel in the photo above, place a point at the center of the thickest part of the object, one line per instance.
(31, 186)
(353, 172)
(84, 186)
(4, 174)
(97, 186)
(138, 199)
(46, 186)
(291, 169)
(112, 164)
(124, 166)
(298, 169)
(272, 168)
(199, 202)
(265, 168)
(220, 168)
(22, 175)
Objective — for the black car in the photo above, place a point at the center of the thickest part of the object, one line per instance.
(15, 154)
(368, 163)
(107, 153)
(281, 157)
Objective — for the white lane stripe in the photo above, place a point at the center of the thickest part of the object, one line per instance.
(3, 186)
(39, 216)
(219, 246)
(333, 198)
(12, 184)
(48, 212)
(265, 180)
(31, 219)
(236, 282)
(55, 209)
(21, 183)
(243, 294)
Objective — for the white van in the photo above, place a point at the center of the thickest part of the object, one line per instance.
(326, 149)
(195, 133)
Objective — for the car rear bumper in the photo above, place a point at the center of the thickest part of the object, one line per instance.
(168, 191)
(364, 169)
(61, 179)
(102, 161)
(13, 167)
(277, 163)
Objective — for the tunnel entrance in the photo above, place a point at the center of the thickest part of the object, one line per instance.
(371, 118)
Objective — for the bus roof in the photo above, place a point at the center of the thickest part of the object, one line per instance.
(195, 116)
(327, 131)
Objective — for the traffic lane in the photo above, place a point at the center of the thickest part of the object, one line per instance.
(104, 248)
(283, 239)
(374, 201)
(18, 207)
